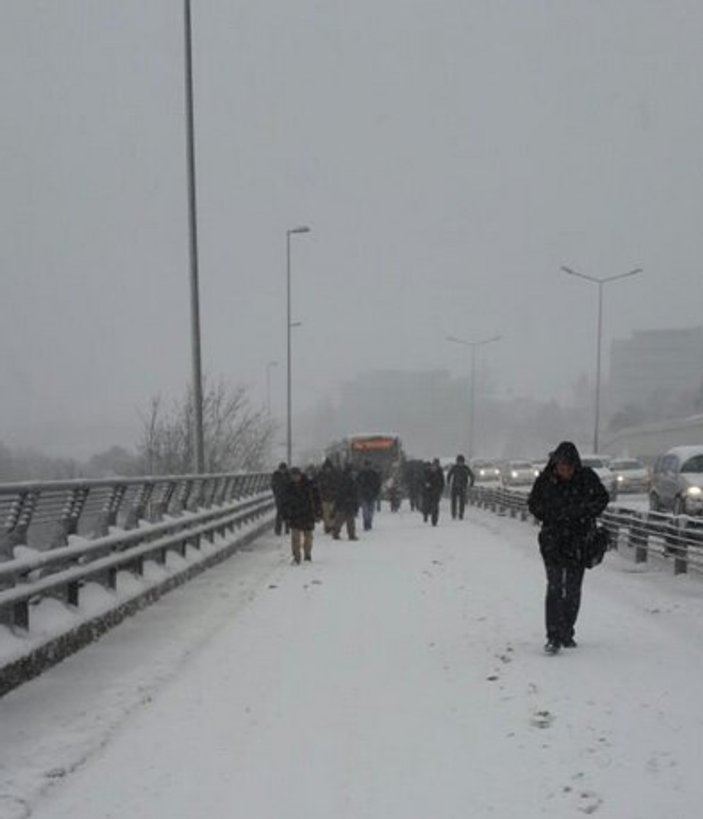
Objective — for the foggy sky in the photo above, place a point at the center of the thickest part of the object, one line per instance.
(449, 157)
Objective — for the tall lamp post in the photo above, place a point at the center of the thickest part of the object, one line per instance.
(600, 282)
(474, 345)
(268, 384)
(198, 437)
(289, 390)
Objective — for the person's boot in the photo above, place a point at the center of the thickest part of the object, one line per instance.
(552, 647)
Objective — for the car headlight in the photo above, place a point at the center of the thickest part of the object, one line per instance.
(481, 472)
(620, 479)
(513, 474)
(496, 471)
(535, 472)
(694, 491)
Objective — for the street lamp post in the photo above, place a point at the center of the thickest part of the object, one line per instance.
(198, 437)
(268, 384)
(472, 387)
(289, 390)
(600, 282)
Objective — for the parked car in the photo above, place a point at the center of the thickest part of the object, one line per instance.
(600, 467)
(677, 481)
(485, 471)
(631, 475)
(518, 473)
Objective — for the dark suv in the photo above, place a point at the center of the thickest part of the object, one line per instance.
(677, 481)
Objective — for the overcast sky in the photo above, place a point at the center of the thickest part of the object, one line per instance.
(449, 156)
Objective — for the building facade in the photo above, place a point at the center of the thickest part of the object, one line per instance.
(655, 366)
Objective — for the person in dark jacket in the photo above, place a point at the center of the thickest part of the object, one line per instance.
(327, 483)
(346, 504)
(459, 478)
(566, 498)
(301, 508)
(279, 482)
(368, 482)
(432, 489)
(413, 477)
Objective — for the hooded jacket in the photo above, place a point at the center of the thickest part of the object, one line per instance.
(301, 504)
(566, 509)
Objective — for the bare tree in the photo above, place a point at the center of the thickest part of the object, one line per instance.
(237, 436)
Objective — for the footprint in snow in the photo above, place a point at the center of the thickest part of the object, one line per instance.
(589, 802)
(542, 719)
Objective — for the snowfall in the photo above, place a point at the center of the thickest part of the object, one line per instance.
(398, 677)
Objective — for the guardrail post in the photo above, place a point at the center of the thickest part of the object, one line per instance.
(20, 615)
(638, 538)
(196, 495)
(17, 523)
(70, 515)
(110, 510)
(140, 504)
(160, 499)
(681, 548)
(72, 593)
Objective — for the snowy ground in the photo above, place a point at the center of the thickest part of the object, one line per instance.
(398, 677)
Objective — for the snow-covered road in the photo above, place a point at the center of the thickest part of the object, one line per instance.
(398, 677)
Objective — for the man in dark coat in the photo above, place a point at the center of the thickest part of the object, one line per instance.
(368, 482)
(327, 483)
(301, 508)
(413, 475)
(432, 489)
(346, 504)
(459, 478)
(566, 498)
(279, 482)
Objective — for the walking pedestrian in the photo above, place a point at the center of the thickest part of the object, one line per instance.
(346, 504)
(459, 478)
(432, 489)
(301, 508)
(413, 472)
(566, 498)
(279, 483)
(368, 482)
(327, 483)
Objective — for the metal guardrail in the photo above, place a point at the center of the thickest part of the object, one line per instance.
(122, 521)
(644, 534)
(44, 514)
(62, 572)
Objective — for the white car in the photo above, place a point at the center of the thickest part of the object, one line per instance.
(631, 475)
(518, 473)
(485, 471)
(607, 477)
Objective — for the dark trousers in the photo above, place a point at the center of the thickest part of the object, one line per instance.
(458, 502)
(562, 601)
(430, 509)
(368, 507)
(280, 523)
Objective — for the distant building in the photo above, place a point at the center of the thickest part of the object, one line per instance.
(654, 366)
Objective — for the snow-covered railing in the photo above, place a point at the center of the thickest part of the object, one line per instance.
(62, 571)
(60, 599)
(641, 533)
(44, 514)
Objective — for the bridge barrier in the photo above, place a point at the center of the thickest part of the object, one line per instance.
(678, 538)
(44, 514)
(162, 519)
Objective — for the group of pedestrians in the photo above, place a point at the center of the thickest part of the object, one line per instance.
(432, 485)
(331, 495)
(566, 499)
